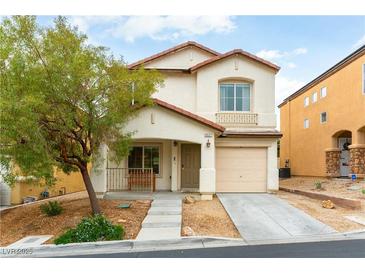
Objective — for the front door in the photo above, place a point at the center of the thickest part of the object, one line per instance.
(190, 166)
(345, 156)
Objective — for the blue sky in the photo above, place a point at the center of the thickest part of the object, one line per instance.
(304, 46)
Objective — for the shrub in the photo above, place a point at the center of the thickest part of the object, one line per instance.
(92, 229)
(363, 191)
(52, 208)
(318, 185)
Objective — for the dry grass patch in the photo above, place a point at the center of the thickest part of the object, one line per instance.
(29, 220)
(332, 217)
(338, 188)
(209, 218)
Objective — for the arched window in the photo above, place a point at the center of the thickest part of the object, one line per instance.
(235, 96)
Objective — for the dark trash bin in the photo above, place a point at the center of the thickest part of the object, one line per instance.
(284, 172)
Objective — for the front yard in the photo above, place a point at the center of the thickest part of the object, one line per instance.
(208, 218)
(28, 220)
(336, 217)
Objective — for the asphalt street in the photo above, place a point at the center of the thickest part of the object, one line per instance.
(330, 249)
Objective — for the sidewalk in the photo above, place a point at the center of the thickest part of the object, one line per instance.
(171, 244)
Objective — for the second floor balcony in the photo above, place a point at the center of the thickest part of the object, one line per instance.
(237, 119)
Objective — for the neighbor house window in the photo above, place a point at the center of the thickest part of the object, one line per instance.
(146, 156)
(306, 123)
(314, 97)
(323, 92)
(323, 117)
(306, 101)
(235, 97)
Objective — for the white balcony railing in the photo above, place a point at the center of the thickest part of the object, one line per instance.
(236, 119)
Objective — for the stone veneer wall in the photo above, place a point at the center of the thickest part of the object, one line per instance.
(357, 160)
(333, 162)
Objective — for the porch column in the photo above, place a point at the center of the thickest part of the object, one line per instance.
(174, 166)
(207, 170)
(357, 160)
(333, 162)
(98, 172)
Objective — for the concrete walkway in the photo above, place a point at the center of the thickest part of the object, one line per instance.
(264, 217)
(163, 220)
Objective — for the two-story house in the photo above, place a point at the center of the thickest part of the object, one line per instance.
(323, 123)
(211, 129)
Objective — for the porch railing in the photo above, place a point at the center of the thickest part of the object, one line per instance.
(130, 179)
(236, 118)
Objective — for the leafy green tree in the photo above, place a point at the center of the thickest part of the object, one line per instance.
(61, 98)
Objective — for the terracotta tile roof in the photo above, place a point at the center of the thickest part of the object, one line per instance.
(344, 62)
(247, 134)
(233, 52)
(171, 50)
(189, 115)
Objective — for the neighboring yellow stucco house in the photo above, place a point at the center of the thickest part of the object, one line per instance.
(323, 123)
(64, 184)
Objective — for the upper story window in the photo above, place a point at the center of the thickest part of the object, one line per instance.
(235, 97)
(323, 117)
(306, 101)
(314, 97)
(323, 92)
(306, 123)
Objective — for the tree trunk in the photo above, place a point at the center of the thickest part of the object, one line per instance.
(90, 190)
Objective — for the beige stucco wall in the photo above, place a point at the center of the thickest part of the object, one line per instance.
(182, 59)
(179, 89)
(68, 183)
(345, 107)
(237, 67)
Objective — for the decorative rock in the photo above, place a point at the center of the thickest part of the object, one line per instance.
(189, 200)
(188, 231)
(122, 221)
(328, 204)
(354, 188)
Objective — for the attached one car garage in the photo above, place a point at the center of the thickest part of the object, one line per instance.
(241, 169)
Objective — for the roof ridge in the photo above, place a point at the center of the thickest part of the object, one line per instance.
(189, 114)
(231, 52)
(171, 50)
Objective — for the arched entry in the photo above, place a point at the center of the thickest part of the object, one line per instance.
(342, 140)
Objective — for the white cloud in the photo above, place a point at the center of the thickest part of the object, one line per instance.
(291, 65)
(270, 54)
(284, 87)
(359, 43)
(300, 51)
(155, 27)
(277, 54)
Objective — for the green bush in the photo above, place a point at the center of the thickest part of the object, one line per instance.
(318, 185)
(52, 208)
(92, 229)
(363, 191)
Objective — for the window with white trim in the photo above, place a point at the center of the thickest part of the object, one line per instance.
(323, 92)
(235, 97)
(323, 117)
(314, 97)
(306, 123)
(145, 156)
(306, 101)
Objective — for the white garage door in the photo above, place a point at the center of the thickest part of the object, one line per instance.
(241, 169)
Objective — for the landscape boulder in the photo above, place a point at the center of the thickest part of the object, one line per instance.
(188, 231)
(328, 204)
(189, 200)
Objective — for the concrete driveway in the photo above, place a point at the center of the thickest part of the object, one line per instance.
(264, 217)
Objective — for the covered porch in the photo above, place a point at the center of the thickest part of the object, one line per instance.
(172, 150)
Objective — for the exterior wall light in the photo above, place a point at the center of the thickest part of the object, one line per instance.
(208, 144)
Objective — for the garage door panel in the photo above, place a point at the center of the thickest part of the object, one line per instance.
(241, 169)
